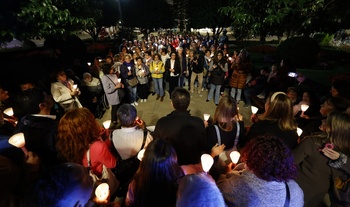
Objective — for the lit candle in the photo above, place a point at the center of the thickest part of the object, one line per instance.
(8, 112)
(75, 86)
(207, 161)
(119, 80)
(299, 131)
(99, 60)
(235, 155)
(102, 192)
(129, 67)
(89, 64)
(18, 140)
(254, 109)
(140, 154)
(106, 124)
(206, 117)
(303, 107)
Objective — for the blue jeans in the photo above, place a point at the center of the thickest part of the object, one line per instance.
(217, 93)
(181, 81)
(132, 94)
(158, 86)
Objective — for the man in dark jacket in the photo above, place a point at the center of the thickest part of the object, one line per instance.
(185, 132)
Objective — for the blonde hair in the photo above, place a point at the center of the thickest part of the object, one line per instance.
(281, 110)
(225, 112)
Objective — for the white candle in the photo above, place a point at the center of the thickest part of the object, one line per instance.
(106, 124)
(129, 67)
(8, 112)
(119, 80)
(89, 64)
(75, 86)
(18, 140)
(140, 154)
(235, 155)
(99, 60)
(206, 117)
(102, 192)
(299, 131)
(254, 109)
(207, 161)
(304, 107)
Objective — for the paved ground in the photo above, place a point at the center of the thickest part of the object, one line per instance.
(152, 110)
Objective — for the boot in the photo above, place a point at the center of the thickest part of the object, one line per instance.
(157, 97)
(161, 99)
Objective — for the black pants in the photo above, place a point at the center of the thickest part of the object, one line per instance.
(173, 83)
(114, 110)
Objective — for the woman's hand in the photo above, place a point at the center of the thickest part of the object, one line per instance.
(217, 149)
(331, 154)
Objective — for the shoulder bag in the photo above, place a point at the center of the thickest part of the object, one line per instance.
(106, 177)
(224, 156)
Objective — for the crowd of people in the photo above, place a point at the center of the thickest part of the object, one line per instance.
(65, 147)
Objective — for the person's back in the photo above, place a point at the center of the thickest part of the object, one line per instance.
(185, 132)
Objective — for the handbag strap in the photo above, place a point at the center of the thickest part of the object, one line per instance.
(218, 136)
(111, 80)
(286, 203)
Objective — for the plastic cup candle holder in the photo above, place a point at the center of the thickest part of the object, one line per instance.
(8, 112)
(18, 141)
(75, 86)
(129, 67)
(303, 107)
(254, 109)
(140, 154)
(235, 155)
(102, 192)
(299, 131)
(207, 161)
(206, 117)
(106, 124)
(119, 80)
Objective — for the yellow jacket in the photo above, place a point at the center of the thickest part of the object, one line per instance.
(157, 66)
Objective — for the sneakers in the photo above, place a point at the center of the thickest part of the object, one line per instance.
(157, 97)
(145, 100)
(141, 100)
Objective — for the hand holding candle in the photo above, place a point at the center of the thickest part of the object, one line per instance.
(140, 154)
(303, 108)
(102, 192)
(106, 124)
(18, 140)
(254, 109)
(235, 155)
(8, 112)
(206, 117)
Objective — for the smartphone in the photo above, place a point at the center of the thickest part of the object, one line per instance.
(292, 74)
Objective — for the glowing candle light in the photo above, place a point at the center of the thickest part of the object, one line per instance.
(207, 161)
(254, 109)
(304, 107)
(75, 86)
(89, 64)
(99, 60)
(206, 117)
(8, 112)
(102, 192)
(235, 155)
(299, 131)
(18, 140)
(106, 124)
(119, 80)
(129, 67)
(140, 154)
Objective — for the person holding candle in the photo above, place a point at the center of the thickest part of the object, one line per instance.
(79, 134)
(172, 71)
(154, 184)
(63, 90)
(277, 120)
(127, 73)
(157, 70)
(142, 72)
(267, 178)
(111, 84)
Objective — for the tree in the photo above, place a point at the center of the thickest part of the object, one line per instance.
(205, 13)
(147, 15)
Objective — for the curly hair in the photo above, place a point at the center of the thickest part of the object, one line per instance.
(77, 129)
(269, 159)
